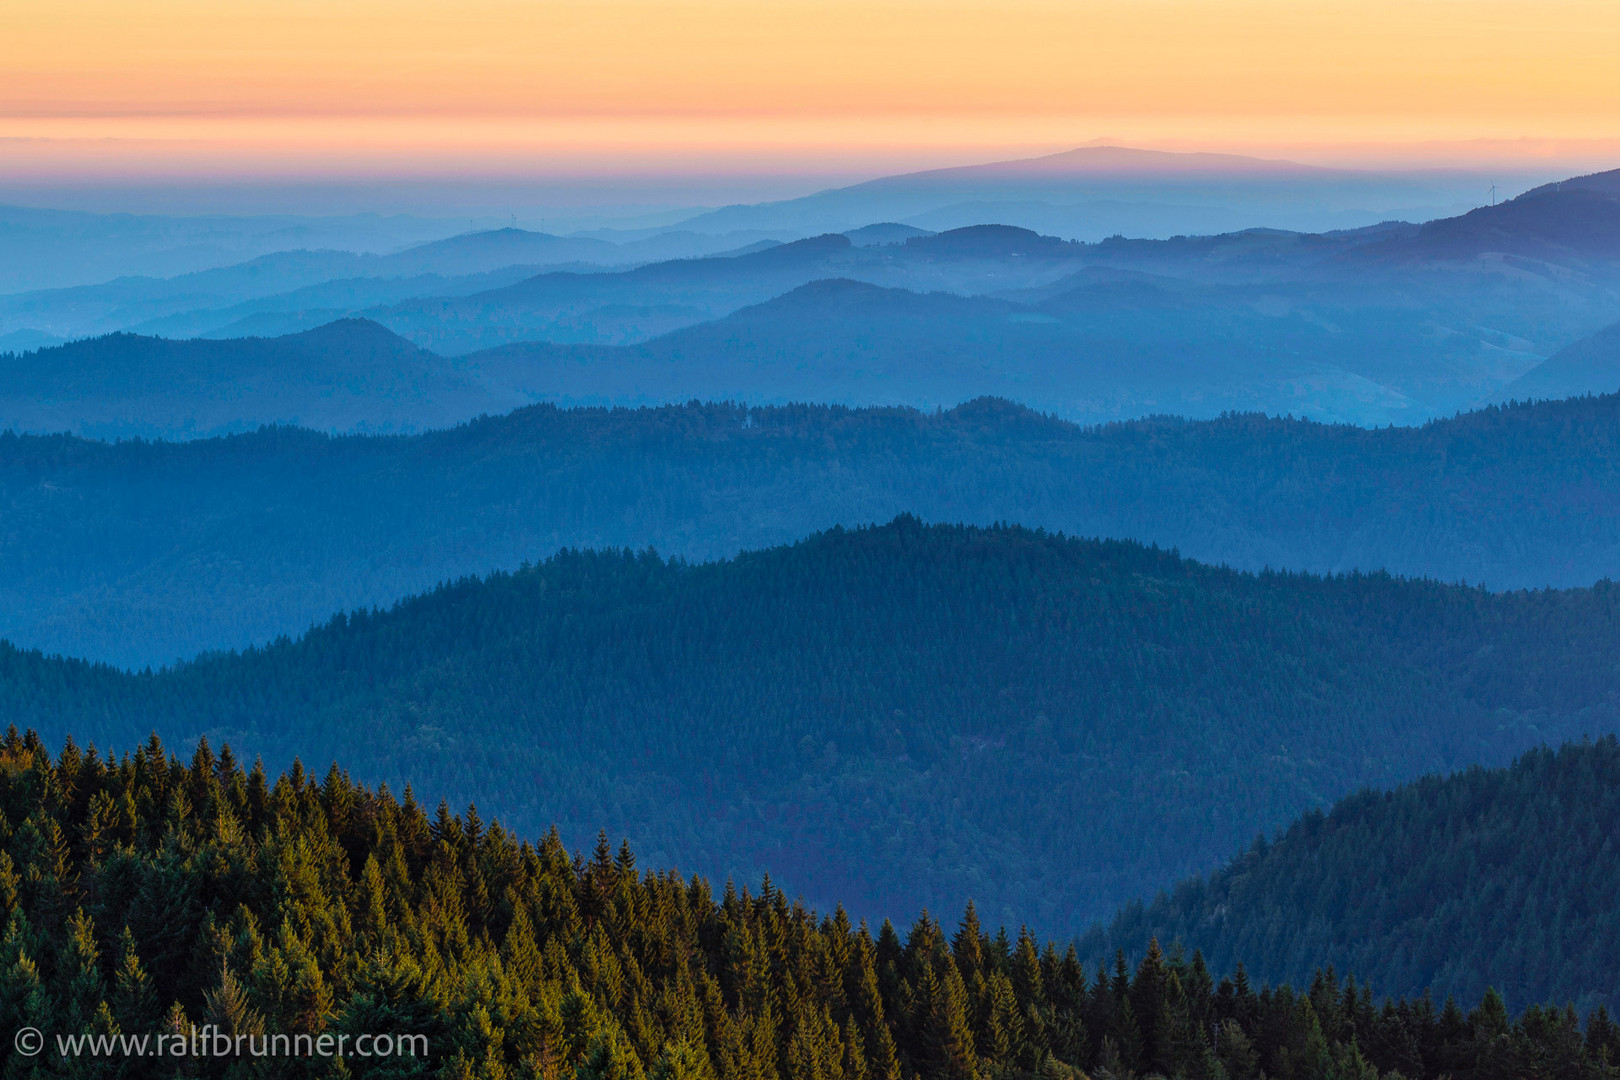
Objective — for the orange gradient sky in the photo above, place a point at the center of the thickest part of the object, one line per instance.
(362, 87)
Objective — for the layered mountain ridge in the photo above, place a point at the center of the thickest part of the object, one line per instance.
(895, 716)
(224, 543)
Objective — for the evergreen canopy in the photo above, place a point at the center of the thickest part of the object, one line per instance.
(143, 895)
(1499, 877)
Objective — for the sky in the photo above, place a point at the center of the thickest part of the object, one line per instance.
(95, 90)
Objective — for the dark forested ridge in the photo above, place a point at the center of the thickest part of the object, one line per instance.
(1501, 878)
(140, 553)
(145, 898)
(896, 715)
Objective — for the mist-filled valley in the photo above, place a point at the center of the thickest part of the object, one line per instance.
(1393, 323)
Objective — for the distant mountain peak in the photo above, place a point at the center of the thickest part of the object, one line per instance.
(981, 241)
(836, 289)
(1091, 192)
(350, 332)
(1091, 160)
(1111, 163)
(473, 251)
(505, 232)
(810, 245)
(884, 232)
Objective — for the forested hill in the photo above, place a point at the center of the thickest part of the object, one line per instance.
(226, 542)
(146, 899)
(349, 375)
(1503, 878)
(895, 716)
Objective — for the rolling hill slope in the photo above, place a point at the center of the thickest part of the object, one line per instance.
(1590, 366)
(44, 249)
(1575, 222)
(344, 281)
(896, 716)
(1106, 346)
(1488, 878)
(347, 375)
(634, 305)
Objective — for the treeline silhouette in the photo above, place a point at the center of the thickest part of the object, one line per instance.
(894, 716)
(1498, 877)
(142, 895)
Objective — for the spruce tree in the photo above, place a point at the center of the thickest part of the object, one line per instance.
(682, 1061)
(135, 1004)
